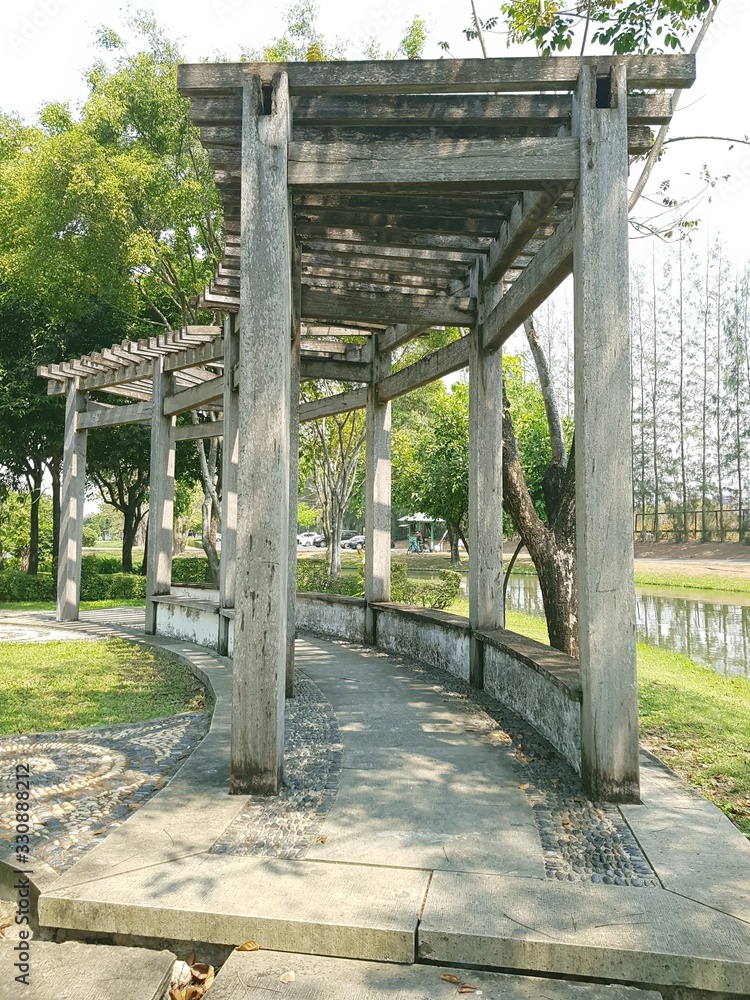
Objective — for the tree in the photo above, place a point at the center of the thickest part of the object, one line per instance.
(331, 450)
(118, 464)
(631, 26)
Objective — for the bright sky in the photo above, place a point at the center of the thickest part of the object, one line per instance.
(46, 45)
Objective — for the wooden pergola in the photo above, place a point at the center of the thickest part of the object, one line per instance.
(385, 198)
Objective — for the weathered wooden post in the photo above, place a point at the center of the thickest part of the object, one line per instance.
(377, 490)
(485, 488)
(71, 506)
(261, 597)
(160, 494)
(229, 459)
(296, 334)
(604, 540)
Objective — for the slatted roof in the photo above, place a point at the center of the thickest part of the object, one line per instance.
(404, 177)
(404, 174)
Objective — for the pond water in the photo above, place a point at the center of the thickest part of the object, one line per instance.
(711, 627)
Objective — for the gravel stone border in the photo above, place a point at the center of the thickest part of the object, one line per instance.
(582, 841)
(286, 826)
(85, 782)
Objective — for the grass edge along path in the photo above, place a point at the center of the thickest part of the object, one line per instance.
(695, 720)
(52, 686)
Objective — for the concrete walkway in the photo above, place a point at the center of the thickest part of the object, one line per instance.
(433, 850)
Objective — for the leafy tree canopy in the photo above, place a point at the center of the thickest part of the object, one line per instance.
(623, 26)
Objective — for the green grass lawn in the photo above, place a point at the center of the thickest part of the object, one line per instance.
(682, 578)
(73, 685)
(119, 602)
(696, 721)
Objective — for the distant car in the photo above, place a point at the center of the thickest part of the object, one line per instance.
(306, 538)
(355, 542)
(320, 541)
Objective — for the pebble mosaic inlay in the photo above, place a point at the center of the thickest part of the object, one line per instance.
(84, 783)
(286, 826)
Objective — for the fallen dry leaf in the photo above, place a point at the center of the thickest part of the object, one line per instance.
(4, 926)
(321, 840)
(287, 977)
(448, 978)
(202, 972)
(524, 787)
(248, 946)
(466, 988)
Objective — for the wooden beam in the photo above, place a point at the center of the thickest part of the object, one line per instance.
(199, 432)
(407, 111)
(329, 406)
(344, 371)
(392, 252)
(450, 358)
(331, 277)
(401, 333)
(429, 76)
(527, 216)
(369, 238)
(106, 415)
(433, 310)
(382, 265)
(205, 354)
(404, 220)
(462, 163)
(193, 398)
(547, 270)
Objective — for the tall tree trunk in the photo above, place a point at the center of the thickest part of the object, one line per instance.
(719, 480)
(552, 549)
(129, 529)
(453, 540)
(208, 539)
(681, 403)
(705, 532)
(655, 407)
(333, 554)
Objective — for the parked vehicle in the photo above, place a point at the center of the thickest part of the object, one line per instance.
(306, 538)
(320, 541)
(355, 542)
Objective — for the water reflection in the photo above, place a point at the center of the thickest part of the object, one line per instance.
(701, 627)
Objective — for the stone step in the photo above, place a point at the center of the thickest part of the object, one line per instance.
(646, 936)
(76, 971)
(258, 975)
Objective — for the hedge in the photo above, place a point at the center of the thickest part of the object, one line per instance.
(189, 570)
(312, 576)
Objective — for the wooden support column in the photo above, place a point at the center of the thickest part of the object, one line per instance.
(604, 540)
(485, 488)
(377, 490)
(229, 460)
(160, 494)
(71, 506)
(291, 613)
(261, 598)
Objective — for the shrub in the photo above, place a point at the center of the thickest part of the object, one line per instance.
(312, 576)
(93, 564)
(189, 570)
(112, 586)
(16, 586)
(424, 593)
